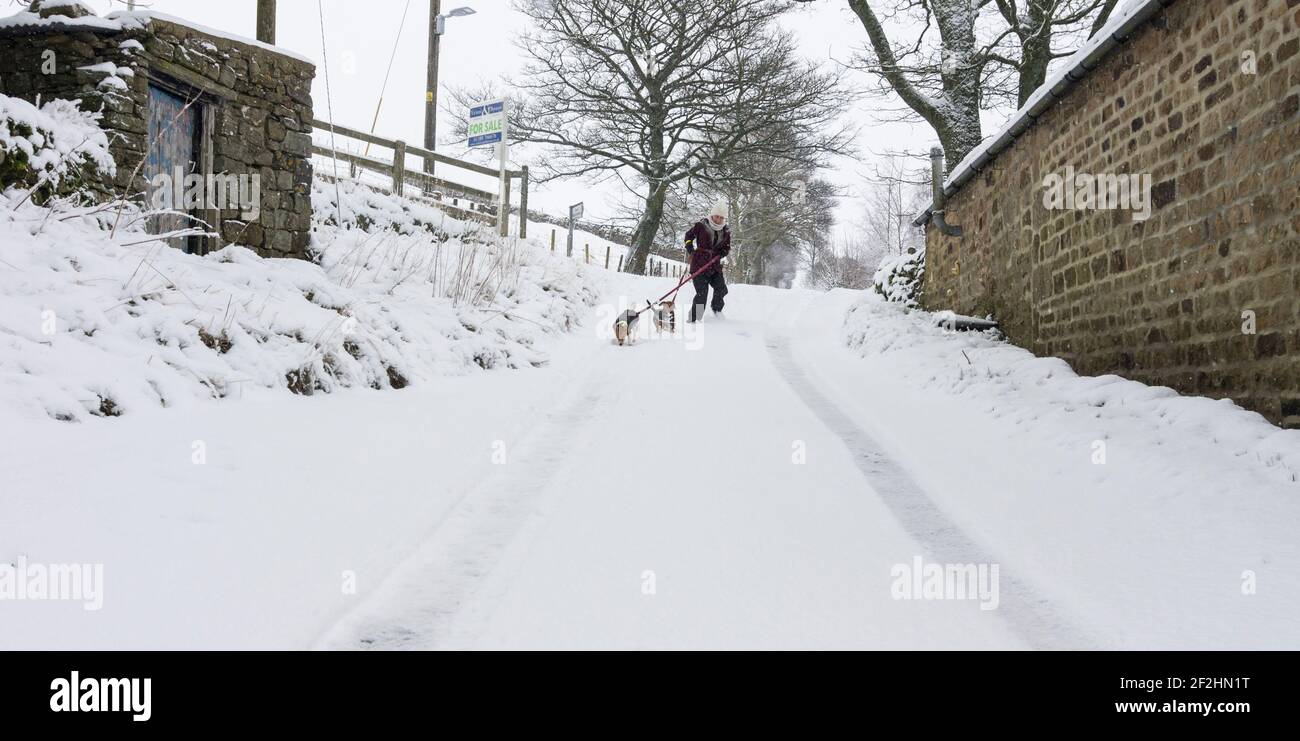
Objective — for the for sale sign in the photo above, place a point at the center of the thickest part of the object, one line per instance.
(486, 123)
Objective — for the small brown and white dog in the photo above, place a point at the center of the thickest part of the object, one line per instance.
(666, 317)
(625, 327)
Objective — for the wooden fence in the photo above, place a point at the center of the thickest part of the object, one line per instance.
(656, 265)
(480, 204)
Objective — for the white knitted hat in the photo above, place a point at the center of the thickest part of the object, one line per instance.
(719, 209)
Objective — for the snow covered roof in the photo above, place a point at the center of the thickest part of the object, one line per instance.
(1121, 27)
(124, 20)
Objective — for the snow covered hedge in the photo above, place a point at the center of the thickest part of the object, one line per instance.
(899, 277)
(101, 323)
(49, 146)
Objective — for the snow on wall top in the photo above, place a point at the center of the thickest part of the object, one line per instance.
(29, 20)
(143, 17)
(1122, 26)
(128, 20)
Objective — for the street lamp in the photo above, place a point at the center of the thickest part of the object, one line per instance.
(437, 26)
(442, 19)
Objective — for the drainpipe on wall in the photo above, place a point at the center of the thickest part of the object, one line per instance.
(936, 187)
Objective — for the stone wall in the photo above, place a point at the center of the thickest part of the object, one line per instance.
(259, 102)
(1204, 296)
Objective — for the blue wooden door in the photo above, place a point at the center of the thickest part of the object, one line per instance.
(171, 153)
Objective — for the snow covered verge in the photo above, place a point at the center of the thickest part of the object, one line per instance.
(1158, 521)
(1014, 382)
(104, 321)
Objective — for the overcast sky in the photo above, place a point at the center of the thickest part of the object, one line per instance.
(359, 38)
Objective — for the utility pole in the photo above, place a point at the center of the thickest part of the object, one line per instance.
(431, 85)
(266, 21)
(437, 25)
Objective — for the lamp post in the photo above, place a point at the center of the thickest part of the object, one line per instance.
(437, 26)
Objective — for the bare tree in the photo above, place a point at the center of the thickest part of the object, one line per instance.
(778, 226)
(988, 53)
(776, 221)
(814, 252)
(896, 192)
(657, 91)
(842, 266)
(1036, 25)
(942, 85)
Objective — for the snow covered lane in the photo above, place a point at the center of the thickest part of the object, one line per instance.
(1034, 617)
(752, 484)
(682, 514)
(253, 524)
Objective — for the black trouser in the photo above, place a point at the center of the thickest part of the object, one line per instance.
(702, 283)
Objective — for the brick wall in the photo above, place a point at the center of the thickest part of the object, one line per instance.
(1205, 100)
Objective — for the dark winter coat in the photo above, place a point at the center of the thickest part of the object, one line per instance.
(703, 244)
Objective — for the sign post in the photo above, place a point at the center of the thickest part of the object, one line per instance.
(575, 213)
(503, 209)
(489, 125)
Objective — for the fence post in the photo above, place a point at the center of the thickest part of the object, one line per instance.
(586, 254)
(506, 206)
(620, 263)
(552, 241)
(607, 257)
(399, 166)
(523, 202)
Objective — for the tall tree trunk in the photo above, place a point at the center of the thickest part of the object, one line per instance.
(647, 228)
(956, 117)
(1035, 49)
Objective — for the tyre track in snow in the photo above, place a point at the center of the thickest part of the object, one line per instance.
(443, 590)
(1036, 620)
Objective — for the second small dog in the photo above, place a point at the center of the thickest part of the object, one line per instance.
(625, 327)
(666, 317)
